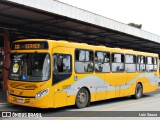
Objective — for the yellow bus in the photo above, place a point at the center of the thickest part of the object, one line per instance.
(52, 74)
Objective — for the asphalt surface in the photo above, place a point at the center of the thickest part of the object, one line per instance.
(115, 108)
(149, 102)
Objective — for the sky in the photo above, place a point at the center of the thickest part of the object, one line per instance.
(145, 12)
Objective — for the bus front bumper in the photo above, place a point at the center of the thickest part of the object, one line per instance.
(43, 102)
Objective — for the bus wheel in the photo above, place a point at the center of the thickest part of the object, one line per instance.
(138, 91)
(82, 98)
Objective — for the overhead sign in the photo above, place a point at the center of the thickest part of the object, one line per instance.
(29, 45)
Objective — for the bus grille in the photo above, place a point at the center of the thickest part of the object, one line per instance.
(24, 100)
(23, 86)
(27, 101)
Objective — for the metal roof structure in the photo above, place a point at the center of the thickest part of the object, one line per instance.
(52, 19)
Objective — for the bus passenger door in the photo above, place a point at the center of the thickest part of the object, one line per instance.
(62, 74)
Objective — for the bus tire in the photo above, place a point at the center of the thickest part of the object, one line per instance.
(138, 91)
(82, 98)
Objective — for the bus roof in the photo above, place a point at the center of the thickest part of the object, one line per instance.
(92, 47)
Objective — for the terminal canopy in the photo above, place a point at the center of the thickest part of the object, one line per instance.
(25, 21)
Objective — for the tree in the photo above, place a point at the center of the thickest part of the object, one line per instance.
(135, 25)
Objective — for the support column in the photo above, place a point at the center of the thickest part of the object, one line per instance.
(6, 59)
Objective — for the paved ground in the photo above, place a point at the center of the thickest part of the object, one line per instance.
(3, 99)
(149, 103)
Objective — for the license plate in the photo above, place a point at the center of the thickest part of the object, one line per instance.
(20, 101)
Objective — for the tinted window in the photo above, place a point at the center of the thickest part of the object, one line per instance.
(117, 62)
(141, 63)
(62, 67)
(130, 61)
(149, 64)
(102, 62)
(155, 64)
(84, 61)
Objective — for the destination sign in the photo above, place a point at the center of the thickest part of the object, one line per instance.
(29, 45)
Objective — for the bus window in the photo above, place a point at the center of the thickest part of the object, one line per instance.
(83, 61)
(102, 62)
(141, 63)
(61, 67)
(149, 64)
(29, 66)
(130, 63)
(117, 62)
(155, 64)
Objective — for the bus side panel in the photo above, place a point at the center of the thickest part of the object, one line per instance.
(101, 95)
(128, 90)
(111, 92)
(128, 87)
(148, 87)
(101, 89)
(60, 99)
(71, 99)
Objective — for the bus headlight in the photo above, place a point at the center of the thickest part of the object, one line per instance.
(42, 93)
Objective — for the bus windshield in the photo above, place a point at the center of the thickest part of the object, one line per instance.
(29, 67)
